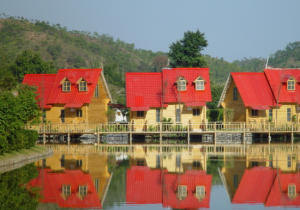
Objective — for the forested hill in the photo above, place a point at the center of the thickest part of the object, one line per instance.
(73, 49)
(82, 49)
(287, 58)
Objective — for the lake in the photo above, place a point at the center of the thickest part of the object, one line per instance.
(82, 177)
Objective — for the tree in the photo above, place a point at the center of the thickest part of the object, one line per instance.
(186, 52)
(30, 63)
(160, 62)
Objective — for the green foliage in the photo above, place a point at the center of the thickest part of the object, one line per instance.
(216, 92)
(212, 168)
(30, 63)
(214, 114)
(55, 51)
(113, 74)
(14, 194)
(229, 114)
(186, 52)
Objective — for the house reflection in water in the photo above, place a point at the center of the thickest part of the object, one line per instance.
(73, 180)
(271, 180)
(174, 180)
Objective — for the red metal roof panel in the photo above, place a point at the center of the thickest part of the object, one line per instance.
(140, 108)
(260, 107)
(198, 103)
(254, 89)
(74, 105)
(255, 185)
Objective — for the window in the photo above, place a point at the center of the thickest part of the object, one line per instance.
(66, 190)
(196, 112)
(254, 113)
(157, 161)
(289, 161)
(82, 190)
(62, 161)
(96, 184)
(235, 94)
(82, 86)
(79, 163)
(196, 164)
(271, 113)
(292, 191)
(157, 115)
(79, 113)
(254, 163)
(200, 192)
(44, 163)
(66, 86)
(140, 162)
(291, 84)
(178, 160)
(182, 192)
(200, 84)
(288, 114)
(181, 84)
(270, 161)
(177, 115)
(97, 91)
(44, 116)
(140, 113)
(235, 181)
(62, 115)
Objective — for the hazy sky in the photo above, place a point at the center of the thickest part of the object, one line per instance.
(234, 28)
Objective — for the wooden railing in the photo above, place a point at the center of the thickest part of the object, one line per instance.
(147, 127)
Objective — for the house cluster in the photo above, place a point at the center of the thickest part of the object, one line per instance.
(175, 94)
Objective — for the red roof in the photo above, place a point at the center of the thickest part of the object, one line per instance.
(51, 185)
(44, 83)
(279, 192)
(277, 79)
(145, 90)
(51, 84)
(143, 186)
(191, 179)
(254, 89)
(256, 178)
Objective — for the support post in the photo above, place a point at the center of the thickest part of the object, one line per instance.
(160, 133)
(215, 135)
(188, 137)
(269, 138)
(44, 139)
(98, 138)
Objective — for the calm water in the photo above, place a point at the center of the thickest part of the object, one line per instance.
(151, 180)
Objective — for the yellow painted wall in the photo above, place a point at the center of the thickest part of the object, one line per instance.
(169, 112)
(95, 112)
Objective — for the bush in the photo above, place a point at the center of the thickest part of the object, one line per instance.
(215, 114)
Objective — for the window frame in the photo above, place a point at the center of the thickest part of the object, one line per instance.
(292, 190)
(78, 113)
(235, 94)
(200, 192)
(181, 84)
(140, 113)
(66, 86)
(157, 115)
(200, 86)
(196, 112)
(289, 161)
(288, 114)
(291, 84)
(66, 190)
(182, 191)
(96, 93)
(254, 112)
(82, 86)
(177, 115)
(82, 190)
(235, 181)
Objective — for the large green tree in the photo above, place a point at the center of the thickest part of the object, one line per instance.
(187, 51)
(30, 63)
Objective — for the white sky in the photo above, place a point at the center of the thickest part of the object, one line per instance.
(234, 28)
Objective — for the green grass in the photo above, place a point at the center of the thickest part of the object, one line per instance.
(32, 150)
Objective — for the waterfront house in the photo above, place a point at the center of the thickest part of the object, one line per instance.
(72, 95)
(261, 97)
(178, 93)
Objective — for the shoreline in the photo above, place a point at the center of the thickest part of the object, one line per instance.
(17, 159)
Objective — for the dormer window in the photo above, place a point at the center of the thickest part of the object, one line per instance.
(292, 191)
(82, 190)
(200, 192)
(82, 85)
(182, 192)
(291, 84)
(66, 190)
(66, 87)
(181, 84)
(199, 83)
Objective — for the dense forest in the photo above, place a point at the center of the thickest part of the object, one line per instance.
(62, 48)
